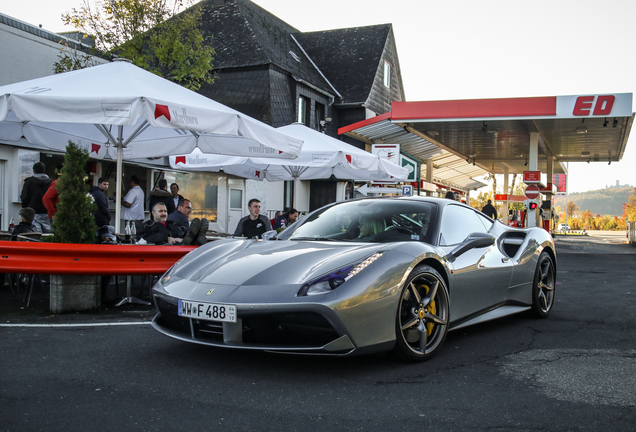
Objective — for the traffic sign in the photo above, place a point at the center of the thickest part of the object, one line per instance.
(532, 191)
(364, 190)
(407, 190)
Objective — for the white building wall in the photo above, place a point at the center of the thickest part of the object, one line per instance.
(302, 200)
(28, 52)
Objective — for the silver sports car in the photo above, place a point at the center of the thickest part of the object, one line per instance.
(359, 276)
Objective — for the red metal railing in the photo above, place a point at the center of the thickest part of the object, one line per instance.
(81, 259)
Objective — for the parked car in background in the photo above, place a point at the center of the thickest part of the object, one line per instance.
(563, 227)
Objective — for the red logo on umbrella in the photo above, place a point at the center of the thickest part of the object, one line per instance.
(258, 174)
(181, 159)
(348, 158)
(95, 148)
(162, 110)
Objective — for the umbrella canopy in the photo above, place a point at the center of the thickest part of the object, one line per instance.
(141, 114)
(321, 157)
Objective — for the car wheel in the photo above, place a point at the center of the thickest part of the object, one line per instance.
(543, 286)
(422, 315)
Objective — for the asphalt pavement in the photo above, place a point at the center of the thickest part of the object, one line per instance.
(574, 371)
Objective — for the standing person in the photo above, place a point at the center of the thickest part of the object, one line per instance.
(161, 194)
(51, 199)
(32, 193)
(102, 214)
(254, 225)
(133, 204)
(450, 195)
(490, 210)
(286, 219)
(159, 230)
(176, 197)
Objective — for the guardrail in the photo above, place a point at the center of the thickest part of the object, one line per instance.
(86, 259)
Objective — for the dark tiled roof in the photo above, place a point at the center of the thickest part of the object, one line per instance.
(357, 51)
(244, 34)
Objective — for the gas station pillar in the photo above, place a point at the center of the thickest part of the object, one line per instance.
(533, 164)
(506, 205)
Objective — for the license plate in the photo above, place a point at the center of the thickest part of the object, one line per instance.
(207, 311)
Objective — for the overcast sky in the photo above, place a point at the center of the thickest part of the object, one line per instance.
(466, 49)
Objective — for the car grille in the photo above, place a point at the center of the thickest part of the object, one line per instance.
(280, 329)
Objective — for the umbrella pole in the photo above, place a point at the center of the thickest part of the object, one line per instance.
(118, 196)
(296, 190)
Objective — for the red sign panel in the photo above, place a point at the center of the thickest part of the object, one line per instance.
(532, 176)
(560, 181)
(532, 192)
(504, 197)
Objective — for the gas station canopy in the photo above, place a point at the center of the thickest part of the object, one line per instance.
(466, 139)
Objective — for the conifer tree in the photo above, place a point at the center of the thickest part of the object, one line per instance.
(74, 222)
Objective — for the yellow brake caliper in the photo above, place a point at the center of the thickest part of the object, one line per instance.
(432, 309)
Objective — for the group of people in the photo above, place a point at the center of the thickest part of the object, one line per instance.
(170, 211)
(169, 221)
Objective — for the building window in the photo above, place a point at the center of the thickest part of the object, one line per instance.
(202, 189)
(319, 115)
(387, 75)
(304, 108)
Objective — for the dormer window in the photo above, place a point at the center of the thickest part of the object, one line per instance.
(387, 75)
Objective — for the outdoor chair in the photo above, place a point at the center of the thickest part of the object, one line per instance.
(29, 279)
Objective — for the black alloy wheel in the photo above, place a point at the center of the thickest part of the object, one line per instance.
(422, 315)
(543, 286)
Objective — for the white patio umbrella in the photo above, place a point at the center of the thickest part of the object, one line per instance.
(140, 114)
(321, 157)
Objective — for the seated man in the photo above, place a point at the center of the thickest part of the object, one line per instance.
(370, 226)
(159, 230)
(27, 215)
(195, 230)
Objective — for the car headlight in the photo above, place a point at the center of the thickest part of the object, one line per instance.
(333, 280)
(164, 280)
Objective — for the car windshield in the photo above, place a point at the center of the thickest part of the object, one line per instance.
(372, 220)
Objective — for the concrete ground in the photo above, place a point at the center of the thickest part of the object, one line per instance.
(574, 371)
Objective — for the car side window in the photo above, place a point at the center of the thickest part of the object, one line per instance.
(457, 223)
(485, 220)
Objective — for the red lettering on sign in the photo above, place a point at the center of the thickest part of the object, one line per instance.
(583, 105)
(604, 105)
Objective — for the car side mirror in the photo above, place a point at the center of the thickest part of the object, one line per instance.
(268, 235)
(473, 241)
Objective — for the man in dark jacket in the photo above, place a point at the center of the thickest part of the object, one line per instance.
(34, 189)
(286, 219)
(490, 210)
(159, 230)
(102, 214)
(162, 195)
(26, 223)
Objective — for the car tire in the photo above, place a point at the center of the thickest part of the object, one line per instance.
(422, 316)
(543, 286)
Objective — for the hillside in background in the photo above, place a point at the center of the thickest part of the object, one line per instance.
(608, 201)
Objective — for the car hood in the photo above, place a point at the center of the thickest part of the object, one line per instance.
(249, 262)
